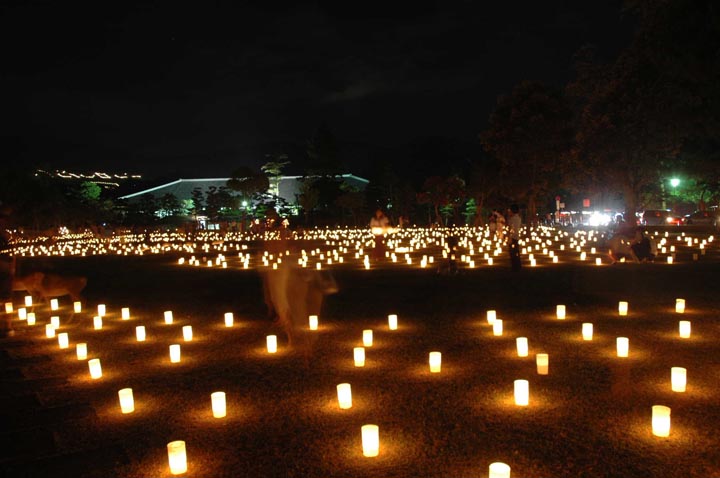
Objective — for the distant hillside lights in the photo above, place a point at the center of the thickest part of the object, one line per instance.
(104, 180)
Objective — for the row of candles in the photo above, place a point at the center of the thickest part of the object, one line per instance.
(417, 238)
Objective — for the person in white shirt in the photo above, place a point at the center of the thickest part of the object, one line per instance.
(379, 225)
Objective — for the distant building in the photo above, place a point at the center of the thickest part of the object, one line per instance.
(287, 188)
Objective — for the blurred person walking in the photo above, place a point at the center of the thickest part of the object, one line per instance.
(514, 224)
(378, 225)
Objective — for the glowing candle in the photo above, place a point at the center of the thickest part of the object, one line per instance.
(370, 440)
(522, 393)
(622, 308)
(54, 304)
(77, 307)
(125, 313)
(661, 420)
(499, 470)
(313, 322)
(367, 337)
(684, 329)
(81, 351)
(101, 310)
(344, 394)
(55, 321)
(63, 340)
(587, 331)
(127, 402)
(168, 316)
(187, 333)
(678, 379)
(623, 346)
(522, 346)
(680, 306)
(670, 259)
(8, 307)
(49, 331)
(392, 322)
(229, 319)
(95, 368)
(543, 362)
(175, 353)
(435, 362)
(598, 261)
(219, 407)
(560, 312)
(140, 333)
(271, 344)
(359, 356)
(22, 313)
(28, 301)
(491, 316)
(177, 457)
(97, 322)
(497, 327)
(31, 318)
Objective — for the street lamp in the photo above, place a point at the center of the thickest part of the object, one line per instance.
(674, 182)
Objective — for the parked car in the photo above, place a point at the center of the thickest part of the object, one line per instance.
(707, 218)
(659, 217)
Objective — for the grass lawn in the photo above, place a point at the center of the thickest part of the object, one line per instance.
(589, 417)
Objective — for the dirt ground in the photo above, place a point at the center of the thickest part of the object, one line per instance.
(589, 417)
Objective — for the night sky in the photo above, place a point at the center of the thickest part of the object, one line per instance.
(177, 91)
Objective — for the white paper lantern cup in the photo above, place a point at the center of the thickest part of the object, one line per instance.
(680, 306)
(435, 362)
(271, 343)
(623, 346)
(678, 379)
(344, 394)
(499, 470)
(95, 368)
(175, 353)
(367, 338)
(622, 308)
(177, 457)
(359, 356)
(542, 362)
(521, 343)
(684, 327)
(560, 312)
(127, 401)
(661, 420)
(140, 333)
(522, 393)
(219, 406)
(370, 440)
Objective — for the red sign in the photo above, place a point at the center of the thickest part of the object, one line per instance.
(586, 203)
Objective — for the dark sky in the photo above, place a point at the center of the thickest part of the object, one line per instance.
(178, 90)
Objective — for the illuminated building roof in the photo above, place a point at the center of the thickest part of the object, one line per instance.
(288, 187)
